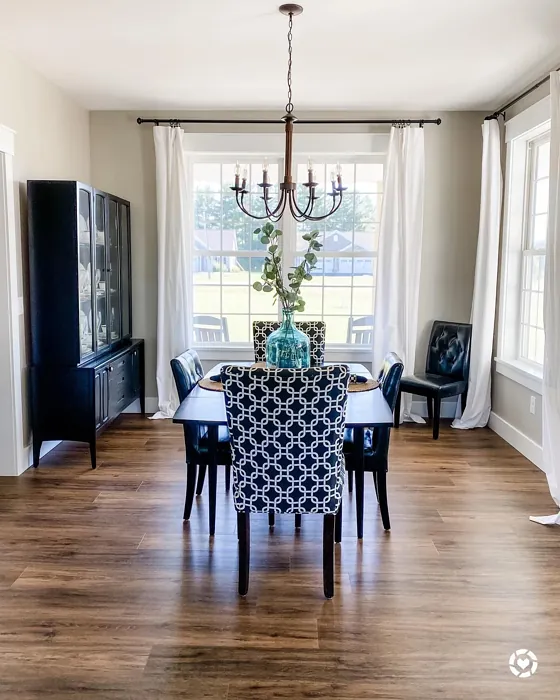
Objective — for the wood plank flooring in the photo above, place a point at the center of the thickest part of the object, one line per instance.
(105, 592)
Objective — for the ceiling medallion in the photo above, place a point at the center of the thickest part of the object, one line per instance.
(287, 198)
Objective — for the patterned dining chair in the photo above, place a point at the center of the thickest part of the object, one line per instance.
(187, 370)
(376, 447)
(287, 429)
(315, 331)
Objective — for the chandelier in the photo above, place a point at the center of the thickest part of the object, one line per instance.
(287, 198)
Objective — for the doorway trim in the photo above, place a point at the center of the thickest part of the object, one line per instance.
(13, 453)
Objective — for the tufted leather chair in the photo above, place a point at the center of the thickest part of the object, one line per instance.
(187, 370)
(447, 369)
(376, 447)
(315, 331)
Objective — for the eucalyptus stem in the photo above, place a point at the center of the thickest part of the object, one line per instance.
(272, 276)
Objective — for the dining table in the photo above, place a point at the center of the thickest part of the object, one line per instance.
(365, 409)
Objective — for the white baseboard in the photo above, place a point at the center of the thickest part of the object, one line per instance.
(518, 440)
(448, 408)
(151, 405)
(46, 447)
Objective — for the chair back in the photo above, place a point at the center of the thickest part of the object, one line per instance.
(187, 370)
(449, 350)
(390, 378)
(210, 329)
(286, 429)
(360, 330)
(315, 331)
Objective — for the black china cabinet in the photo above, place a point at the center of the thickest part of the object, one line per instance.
(85, 366)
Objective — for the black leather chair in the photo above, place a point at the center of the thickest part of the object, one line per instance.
(187, 370)
(447, 370)
(376, 447)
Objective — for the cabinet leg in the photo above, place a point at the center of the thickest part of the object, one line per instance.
(93, 453)
(36, 451)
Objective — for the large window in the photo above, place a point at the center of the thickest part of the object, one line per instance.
(228, 257)
(531, 347)
(521, 330)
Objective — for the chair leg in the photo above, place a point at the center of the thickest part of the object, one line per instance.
(437, 412)
(189, 495)
(430, 406)
(201, 477)
(374, 474)
(360, 503)
(383, 505)
(244, 539)
(298, 521)
(328, 555)
(397, 413)
(228, 477)
(338, 525)
(271, 520)
(212, 483)
(350, 482)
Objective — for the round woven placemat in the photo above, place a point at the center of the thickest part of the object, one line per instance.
(355, 387)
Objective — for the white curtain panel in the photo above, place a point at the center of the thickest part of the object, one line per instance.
(551, 372)
(174, 332)
(477, 410)
(400, 252)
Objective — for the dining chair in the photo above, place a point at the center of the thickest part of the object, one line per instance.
(447, 370)
(315, 331)
(287, 429)
(210, 329)
(376, 447)
(187, 370)
(360, 330)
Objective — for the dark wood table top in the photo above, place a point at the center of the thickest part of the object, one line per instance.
(366, 409)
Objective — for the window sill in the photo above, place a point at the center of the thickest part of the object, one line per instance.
(334, 353)
(521, 373)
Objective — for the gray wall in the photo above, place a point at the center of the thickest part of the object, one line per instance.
(51, 142)
(510, 400)
(123, 162)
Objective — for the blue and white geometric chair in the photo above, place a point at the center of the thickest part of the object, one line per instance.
(287, 429)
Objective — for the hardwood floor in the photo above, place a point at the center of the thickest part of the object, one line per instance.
(105, 593)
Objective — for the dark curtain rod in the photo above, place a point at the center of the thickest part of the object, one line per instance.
(401, 122)
(502, 111)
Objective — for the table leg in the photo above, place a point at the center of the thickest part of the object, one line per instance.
(212, 473)
(359, 479)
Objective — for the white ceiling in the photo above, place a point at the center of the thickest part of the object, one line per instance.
(231, 54)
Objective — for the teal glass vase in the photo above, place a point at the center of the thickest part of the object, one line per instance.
(288, 347)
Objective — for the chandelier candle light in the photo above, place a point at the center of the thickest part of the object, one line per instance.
(288, 186)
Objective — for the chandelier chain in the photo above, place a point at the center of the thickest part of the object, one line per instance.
(290, 106)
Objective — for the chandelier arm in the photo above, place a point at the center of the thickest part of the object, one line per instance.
(309, 207)
(279, 211)
(333, 210)
(241, 205)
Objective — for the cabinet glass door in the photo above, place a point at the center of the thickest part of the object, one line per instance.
(100, 277)
(85, 274)
(114, 320)
(124, 221)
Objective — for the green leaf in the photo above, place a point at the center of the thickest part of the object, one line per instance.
(257, 286)
(267, 288)
(256, 231)
(265, 240)
(273, 248)
(270, 275)
(277, 232)
(315, 234)
(306, 236)
(311, 258)
(308, 277)
(268, 228)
